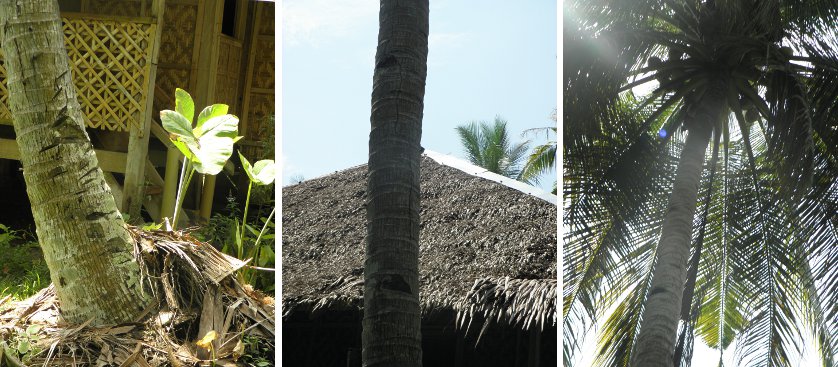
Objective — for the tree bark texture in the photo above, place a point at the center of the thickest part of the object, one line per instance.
(658, 328)
(86, 246)
(391, 333)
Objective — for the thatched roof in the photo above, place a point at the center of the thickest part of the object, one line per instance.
(485, 248)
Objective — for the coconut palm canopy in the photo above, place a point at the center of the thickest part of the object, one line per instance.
(756, 81)
(488, 146)
(485, 248)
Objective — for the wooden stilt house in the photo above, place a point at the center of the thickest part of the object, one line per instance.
(127, 58)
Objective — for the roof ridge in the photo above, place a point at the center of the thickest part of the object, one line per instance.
(477, 171)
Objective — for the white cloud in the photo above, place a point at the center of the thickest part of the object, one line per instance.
(315, 21)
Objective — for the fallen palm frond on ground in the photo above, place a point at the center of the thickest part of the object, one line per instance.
(201, 315)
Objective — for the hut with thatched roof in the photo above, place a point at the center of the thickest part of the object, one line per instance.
(487, 264)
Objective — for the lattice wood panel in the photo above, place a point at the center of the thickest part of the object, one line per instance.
(110, 70)
(5, 114)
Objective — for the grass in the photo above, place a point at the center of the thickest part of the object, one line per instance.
(23, 271)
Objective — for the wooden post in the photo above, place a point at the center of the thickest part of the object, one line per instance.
(535, 348)
(170, 182)
(206, 197)
(206, 67)
(134, 188)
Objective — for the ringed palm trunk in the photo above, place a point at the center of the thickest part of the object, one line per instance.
(86, 246)
(391, 324)
(658, 327)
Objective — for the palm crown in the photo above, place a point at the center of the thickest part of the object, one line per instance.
(754, 80)
(488, 146)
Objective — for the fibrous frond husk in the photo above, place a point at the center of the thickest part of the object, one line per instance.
(195, 291)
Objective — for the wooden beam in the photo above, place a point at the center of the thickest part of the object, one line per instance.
(108, 161)
(241, 18)
(116, 188)
(161, 134)
(134, 187)
(114, 18)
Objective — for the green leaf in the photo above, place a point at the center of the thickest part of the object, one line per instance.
(253, 230)
(212, 154)
(224, 126)
(33, 329)
(266, 256)
(262, 173)
(23, 346)
(176, 124)
(184, 104)
(208, 113)
(181, 146)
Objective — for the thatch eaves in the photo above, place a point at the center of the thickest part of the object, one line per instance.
(486, 250)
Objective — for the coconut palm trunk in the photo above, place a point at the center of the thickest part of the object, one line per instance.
(391, 325)
(86, 246)
(656, 340)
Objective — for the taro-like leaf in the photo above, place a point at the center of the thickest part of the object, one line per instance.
(210, 144)
(184, 104)
(212, 154)
(176, 124)
(207, 114)
(261, 173)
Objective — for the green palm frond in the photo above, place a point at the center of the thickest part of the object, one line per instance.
(542, 159)
(764, 265)
(488, 146)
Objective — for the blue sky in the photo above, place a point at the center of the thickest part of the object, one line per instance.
(495, 58)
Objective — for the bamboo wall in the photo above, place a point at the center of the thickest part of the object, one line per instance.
(260, 88)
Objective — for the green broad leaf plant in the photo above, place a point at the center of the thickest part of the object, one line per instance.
(206, 146)
(262, 172)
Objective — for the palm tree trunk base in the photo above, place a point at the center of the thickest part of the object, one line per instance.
(170, 263)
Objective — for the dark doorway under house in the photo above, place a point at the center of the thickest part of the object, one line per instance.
(15, 211)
